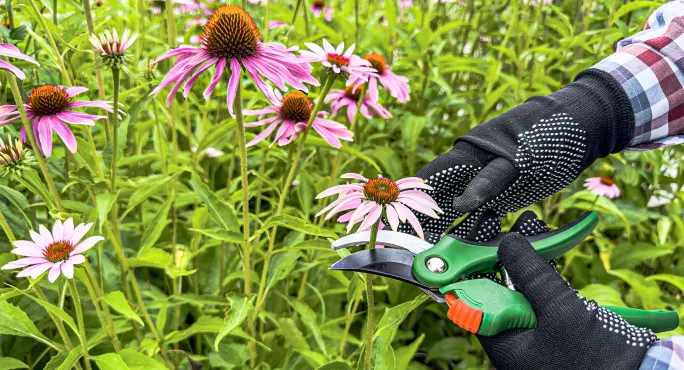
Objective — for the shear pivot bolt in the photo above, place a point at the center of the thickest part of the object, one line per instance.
(436, 265)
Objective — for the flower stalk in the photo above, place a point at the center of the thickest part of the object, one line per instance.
(81, 323)
(115, 143)
(370, 302)
(32, 140)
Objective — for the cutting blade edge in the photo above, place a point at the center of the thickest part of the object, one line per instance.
(385, 238)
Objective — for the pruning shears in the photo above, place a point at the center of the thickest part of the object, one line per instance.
(480, 306)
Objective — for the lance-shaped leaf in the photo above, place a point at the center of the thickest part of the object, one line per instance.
(239, 308)
(221, 212)
(118, 302)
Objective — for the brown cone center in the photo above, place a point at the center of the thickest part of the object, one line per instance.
(377, 61)
(381, 190)
(230, 33)
(58, 251)
(353, 92)
(48, 99)
(296, 107)
(607, 181)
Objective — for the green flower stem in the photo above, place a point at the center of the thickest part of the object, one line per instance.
(370, 302)
(349, 318)
(32, 140)
(267, 20)
(246, 249)
(97, 296)
(6, 228)
(283, 195)
(81, 324)
(294, 18)
(98, 70)
(115, 147)
(53, 45)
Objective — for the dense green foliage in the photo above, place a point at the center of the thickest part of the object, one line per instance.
(179, 213)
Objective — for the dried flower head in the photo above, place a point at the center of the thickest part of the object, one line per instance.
(14, 158)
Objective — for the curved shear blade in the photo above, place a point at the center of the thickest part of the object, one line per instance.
(385, 238)
(393, 263)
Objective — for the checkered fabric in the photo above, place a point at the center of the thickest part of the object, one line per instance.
(650, 67)
(667, 354)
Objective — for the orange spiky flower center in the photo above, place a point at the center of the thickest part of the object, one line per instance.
(58, 251)
(607, 181)
(377, 61)
(381, 190)
(338, 60)
(297, 107)
(48, 99)
(318, 4)
(353, 92)
(230, 33)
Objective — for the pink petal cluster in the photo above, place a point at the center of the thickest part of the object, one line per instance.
(361, 209)
(9, 50)
(341, 99)
(339, 60)
(44, 125)
(318, 8)
(602, 186)
(109, 43)
(41, 250)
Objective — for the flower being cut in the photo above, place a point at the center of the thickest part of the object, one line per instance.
(14, 158)
(50, 108)
(367, 201)
(397, 85)
(339, 61)
(111, 49)
(232, 40)
(291, 116)
(57, 251)
(349, 97)
(602, 186)
(9, 50)
(318, 7)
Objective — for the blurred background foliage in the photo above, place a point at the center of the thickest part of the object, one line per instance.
(467, 62)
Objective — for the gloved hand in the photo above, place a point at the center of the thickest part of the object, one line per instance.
(530, 152)
(571, 332)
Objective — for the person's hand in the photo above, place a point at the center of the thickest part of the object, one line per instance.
(571, 332)
(529, 152)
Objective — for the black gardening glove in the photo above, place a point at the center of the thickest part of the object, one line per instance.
(571, 332)
(529, 152)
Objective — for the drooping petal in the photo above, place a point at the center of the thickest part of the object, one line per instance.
(233, 84)
(67, 269)
(218, 75)
(44, 129)
(65, 134)
(55, 271)
(412, 219)
(372, 217)
(417, 205)
(339, 189)
(73, 91)
(77, 259)
(24, 262)
(35, 270)
(266, 132)
(392, 217)
(17, 72)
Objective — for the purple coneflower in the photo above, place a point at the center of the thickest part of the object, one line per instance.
(602, 186)
(339, 61)
(49, 108)
(349, 97)
(231, 38)
(397, 85)
(111, 49)
(292, 114)
(318, 7)
(380, 195)
(58, 251)
(8, 50)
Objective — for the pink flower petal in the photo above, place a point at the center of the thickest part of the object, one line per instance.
(233, 84)
(392, 217)
(28, 252)
(372, 217)
(55, 271)
(339, 189)
(79, 232)
(35, 270)
(86, 244)
(355, 176)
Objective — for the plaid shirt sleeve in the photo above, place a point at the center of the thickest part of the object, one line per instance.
(666, 354)
(650, 67)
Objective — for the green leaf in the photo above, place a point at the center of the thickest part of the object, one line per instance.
(314, 358)
(677, 281)
(448, 349)
(205, 324)
(603, 294)
(647, 290)
(130, 119)
(155, 228)
(281, 266)
(663, 227)
(54, 310)
(355, 153)
(290, 331)
(105, 202)
(222, 213)
(217, 133)
(157, 258)
(632, 6)
(9, 363)
(239, 308)
(404, 355)
(65, 360)
(297, 224)
(14, 321)
(335, 365)
(222, 235)
(110, 361)
(118, 302)
(138, 361)
(146, 189)
(308, 317)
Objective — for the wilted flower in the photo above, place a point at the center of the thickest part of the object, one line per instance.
(349, 97)
(8, 50)
(49, 108)
(292, 114)
(14, 158)
(58, 251)
(397, 85)
(602, 186)
(112, 50)
(376, 196)
(339, 61)
(231, 38)
(318, 7)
